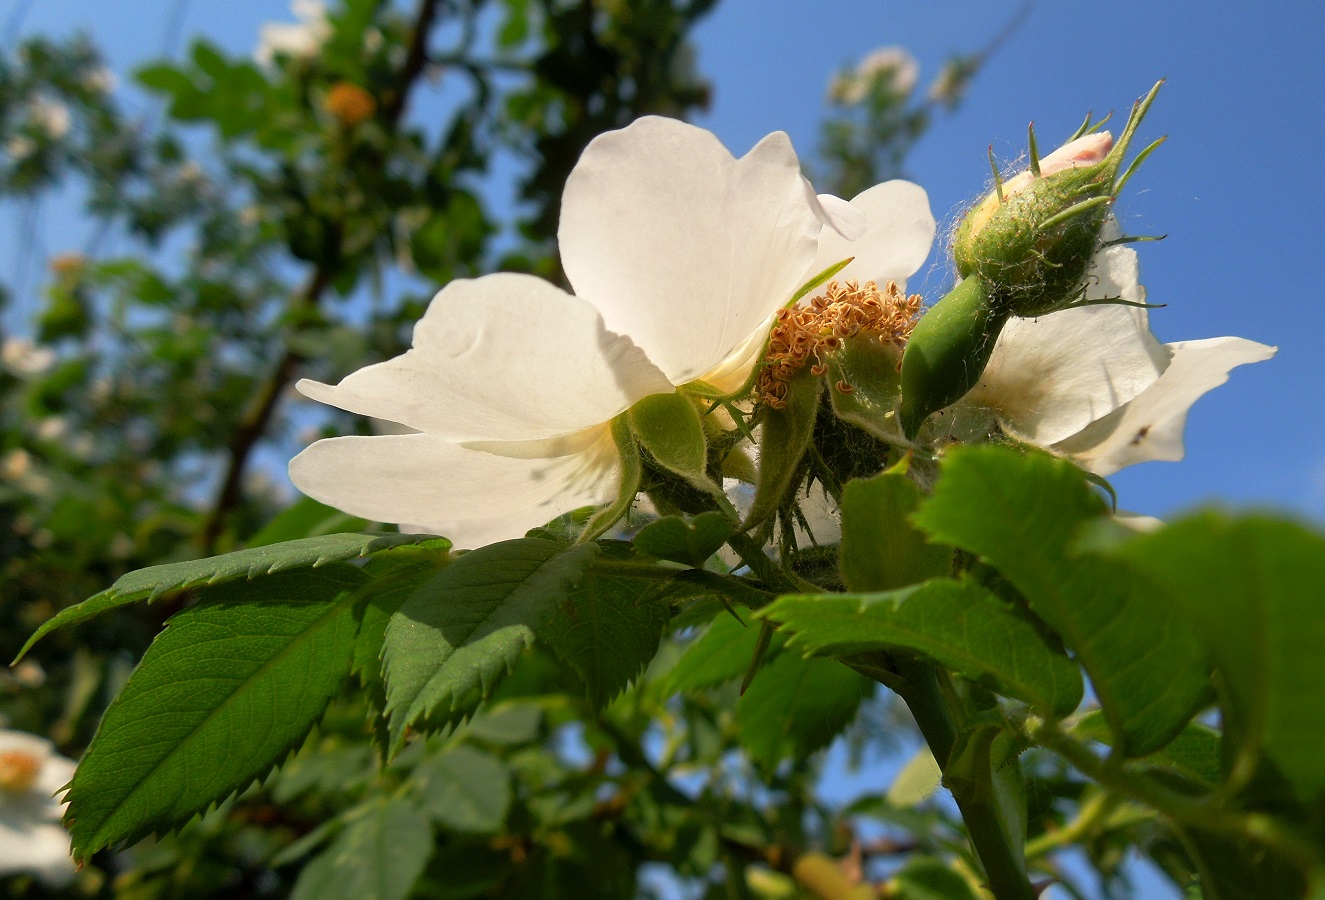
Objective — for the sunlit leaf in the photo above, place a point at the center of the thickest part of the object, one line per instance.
(1021, 513)
(230, 687)
(255, 562)
(462, 630)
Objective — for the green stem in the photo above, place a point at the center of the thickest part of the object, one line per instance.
(1000, 853)
(1198, 813)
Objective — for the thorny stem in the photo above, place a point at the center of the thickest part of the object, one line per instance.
(255, 424)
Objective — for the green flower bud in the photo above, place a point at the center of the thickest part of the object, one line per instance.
(1031, 243)
(948, 351)
(1022, 251)
(1031, 240)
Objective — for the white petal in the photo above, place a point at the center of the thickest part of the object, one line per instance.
(1151, 426)
(1048, 378)
(55, 774)
(470, 496)
(897, 239)
(840, 216)
(12, 741)
(501, 358)
(682, 247)
(41, 850)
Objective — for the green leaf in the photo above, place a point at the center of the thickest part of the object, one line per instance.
(721, 654)
(671, 429)
(797, 706)
(606, 629)
(881, 549)
(455, 638)
(1251, 589)
(224, 692)
(782, 444)
(507, 723)
(917, 781)
(465, 790)
(1021, 513)
(873, 369)
(255, 562)
(1233, 869)
(926, 878)
(379, 856)
(958, 624)
(689, 543)
(382, 601)
(1194, 753)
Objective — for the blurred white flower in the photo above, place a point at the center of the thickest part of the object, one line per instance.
(25, 359)
(31, 840)
(51, 117)
(1093, 382)
(302, 39)
(20, 147)
(100, 80)
(890, 68)
(679, 255)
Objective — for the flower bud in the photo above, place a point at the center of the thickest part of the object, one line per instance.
(1022, 251)
(1032, 240)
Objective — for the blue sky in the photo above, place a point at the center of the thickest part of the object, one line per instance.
(1236, 187)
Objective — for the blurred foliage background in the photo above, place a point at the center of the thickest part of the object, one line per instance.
(286, 215)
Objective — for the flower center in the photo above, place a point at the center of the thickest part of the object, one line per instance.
(18, 771)
(805, 335)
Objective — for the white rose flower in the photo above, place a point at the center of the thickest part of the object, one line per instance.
(302, 39)
(679, 255)
(51, 117)
(31, 840)
(892, 67)
(1093, 383)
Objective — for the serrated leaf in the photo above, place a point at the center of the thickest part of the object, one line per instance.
(230, 686)
(606, 629)
(382, 601)
(797, 706)
(689, 543)
(465, 790)
(881, 549)
(151, 583)
(1022, 513)
(1251, 589)
(459, 633)
(378, 856)
(721, 654)
(958, 624)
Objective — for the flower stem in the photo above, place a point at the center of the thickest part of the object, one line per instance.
(1000, 853)
(1199, 813)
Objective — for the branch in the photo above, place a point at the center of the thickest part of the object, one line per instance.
(256, 423)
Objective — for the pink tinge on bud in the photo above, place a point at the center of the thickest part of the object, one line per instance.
(1086, 150)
